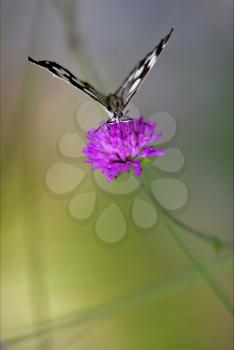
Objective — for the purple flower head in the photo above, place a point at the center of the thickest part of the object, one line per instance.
(117, 147)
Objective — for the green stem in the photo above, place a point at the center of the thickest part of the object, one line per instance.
(78, 48)
(138, 298)
(204, 272)
(199, 267)
(205, 236)
(75, 46)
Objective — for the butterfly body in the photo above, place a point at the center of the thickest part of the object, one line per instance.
(116, 103)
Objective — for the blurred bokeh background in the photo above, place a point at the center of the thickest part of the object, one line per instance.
(61, 288)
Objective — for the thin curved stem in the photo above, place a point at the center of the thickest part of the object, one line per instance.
(204, 272)
(202, 269)
(205, 236)
(153, 292)
(209, 238)
(68, 14)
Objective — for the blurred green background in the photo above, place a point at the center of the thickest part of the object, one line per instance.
(60, 287)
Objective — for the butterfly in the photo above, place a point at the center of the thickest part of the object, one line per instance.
(115, 103)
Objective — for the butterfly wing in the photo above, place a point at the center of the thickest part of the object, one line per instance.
(133, 82)
(67, 76)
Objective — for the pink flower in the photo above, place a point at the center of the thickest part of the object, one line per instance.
(117, 147)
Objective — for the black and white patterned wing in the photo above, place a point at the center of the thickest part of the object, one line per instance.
(67, 76)
(133, 82)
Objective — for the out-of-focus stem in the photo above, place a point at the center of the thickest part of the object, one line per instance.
(138, 298)
(68, 12)
(203, 271)
(188, 229)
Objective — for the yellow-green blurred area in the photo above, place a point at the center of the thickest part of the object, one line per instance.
(61, 287)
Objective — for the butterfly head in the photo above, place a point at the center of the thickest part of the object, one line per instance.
(115, 106)
(116, 103)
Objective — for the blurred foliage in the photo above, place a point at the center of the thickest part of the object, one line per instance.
(60, 288)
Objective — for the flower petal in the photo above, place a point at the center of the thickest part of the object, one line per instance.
(62, 178)
(82, 205)
(172, 194)
(111, 226)
(116, 148)
(143, 214)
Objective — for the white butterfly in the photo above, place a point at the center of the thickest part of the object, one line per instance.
(114, 103)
